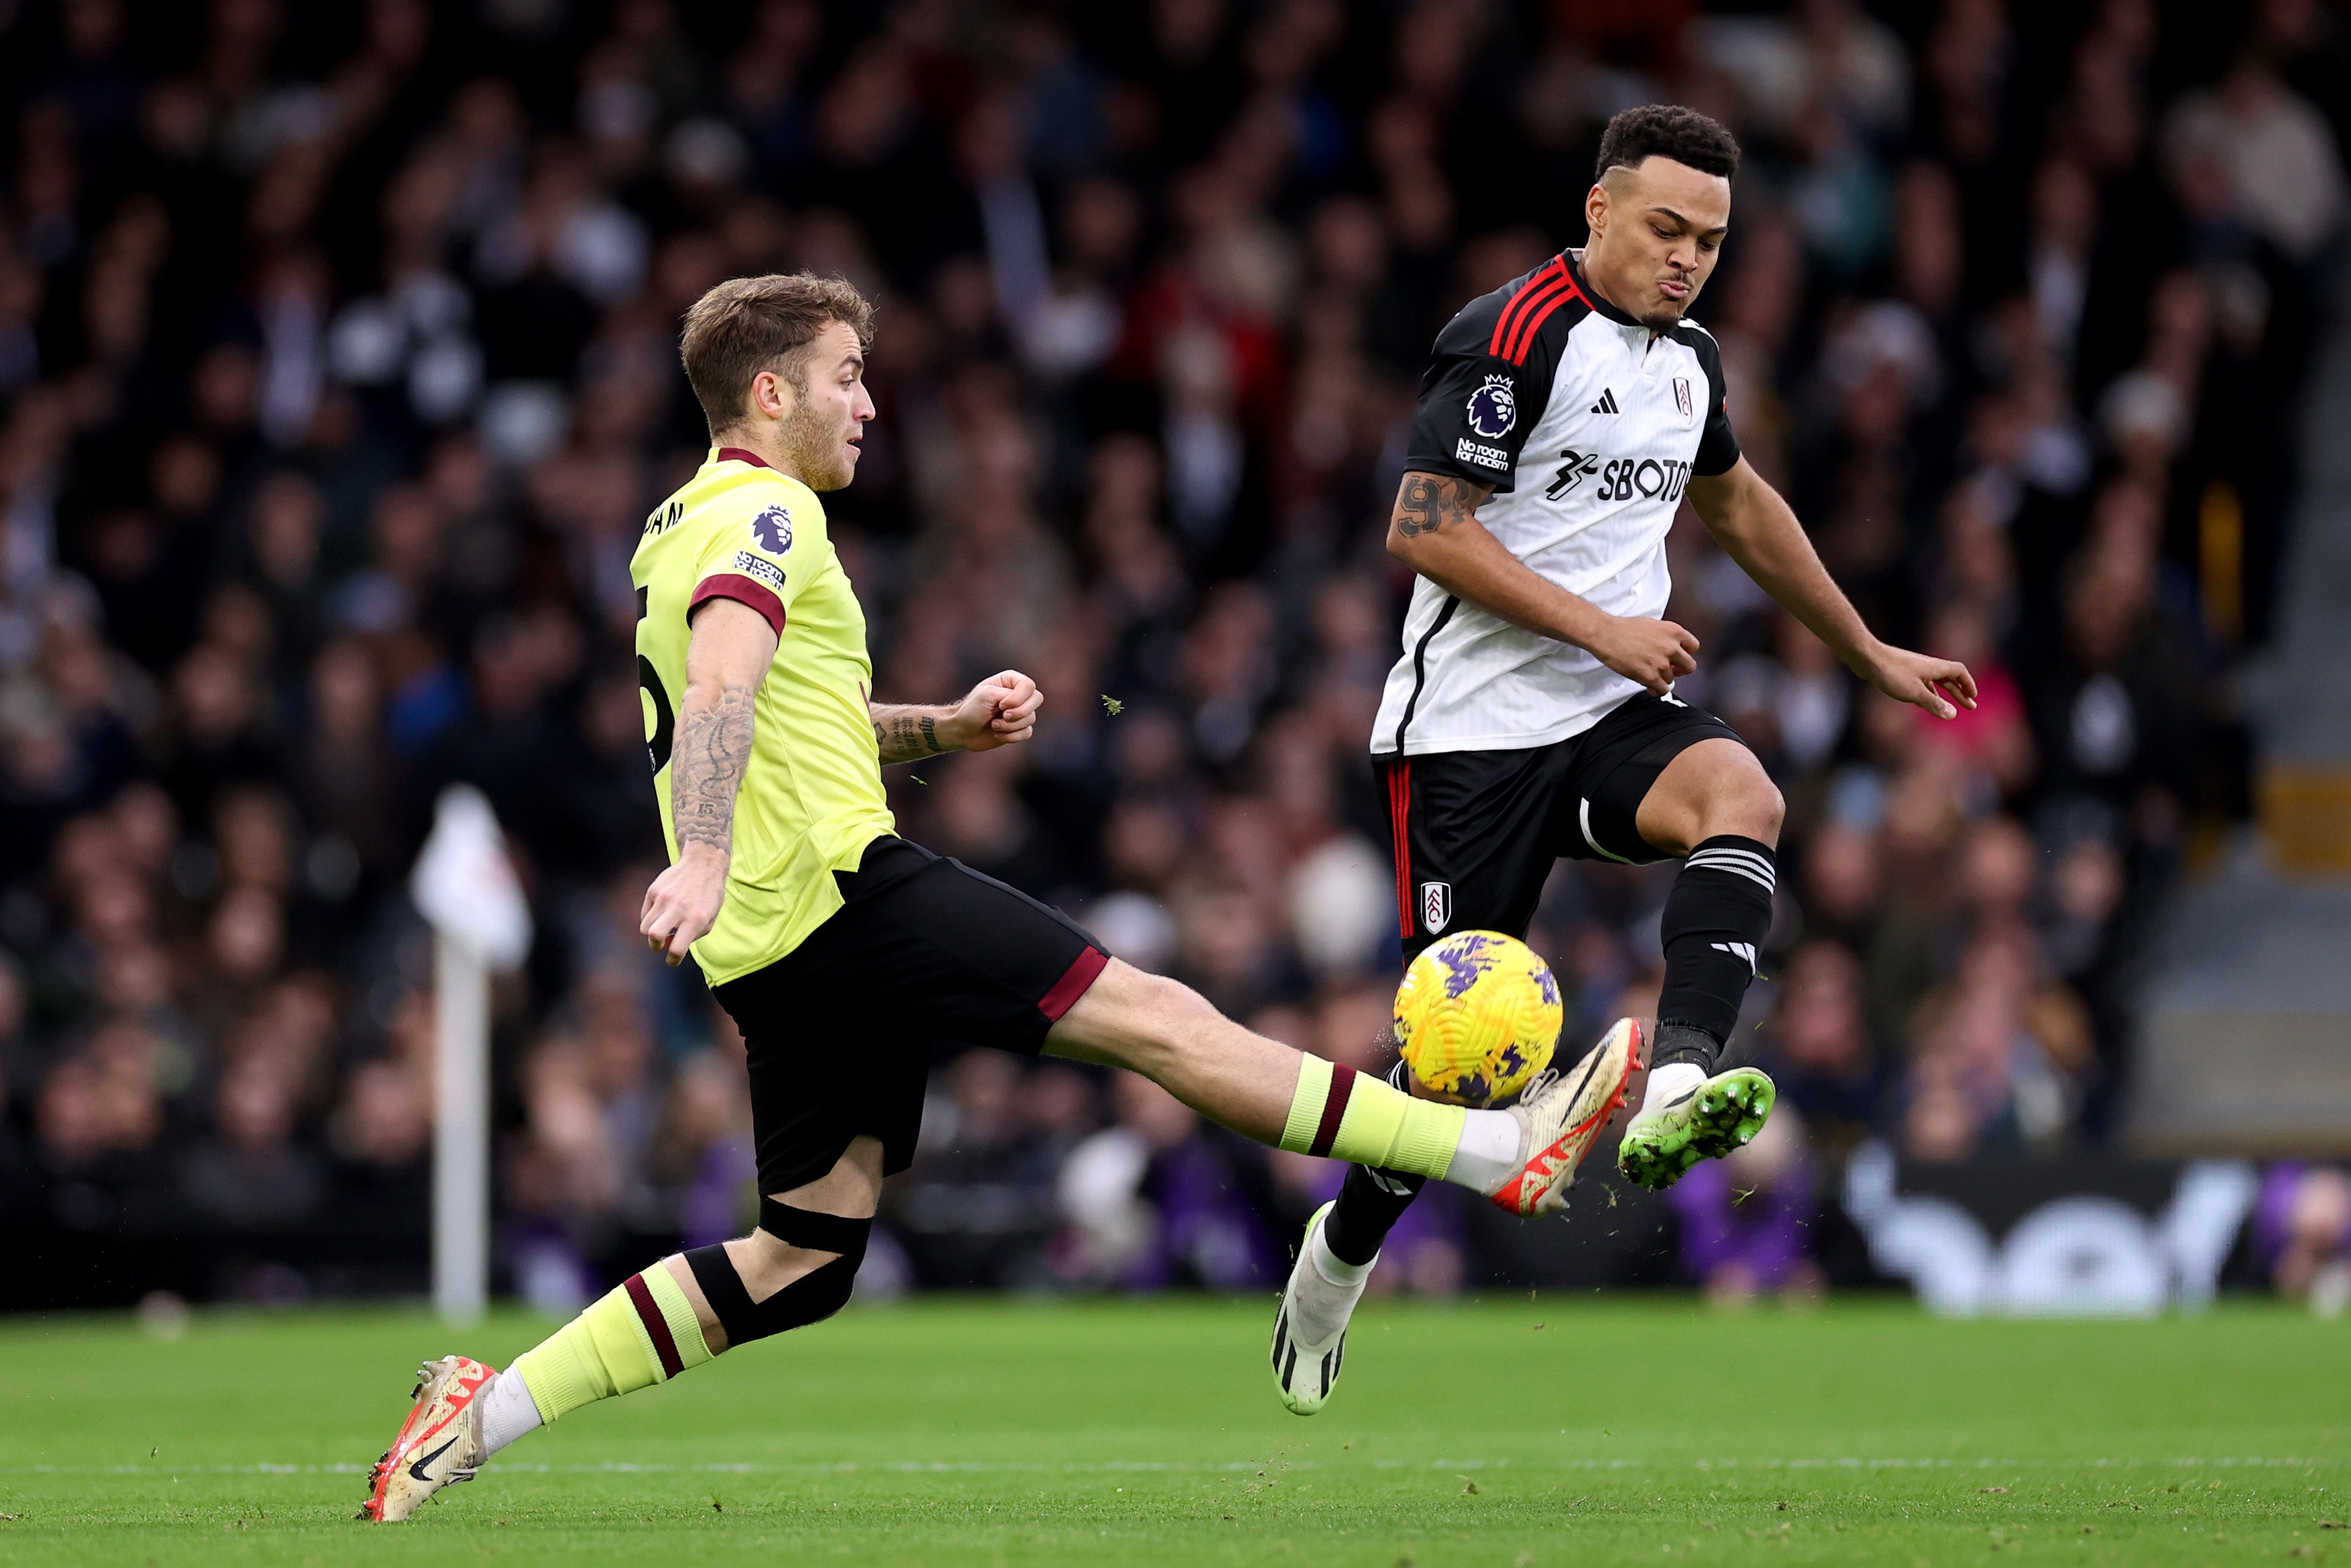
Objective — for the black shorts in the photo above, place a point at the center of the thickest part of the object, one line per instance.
(927, 951)
(1477, 831)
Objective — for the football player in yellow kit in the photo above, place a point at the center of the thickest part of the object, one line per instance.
(843, 951)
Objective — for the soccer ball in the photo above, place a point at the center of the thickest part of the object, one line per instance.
(1477, 1017)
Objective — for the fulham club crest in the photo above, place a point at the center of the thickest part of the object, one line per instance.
(1435, 906)
(1682, 395)
(1493, 409)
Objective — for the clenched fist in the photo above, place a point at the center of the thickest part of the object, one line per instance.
(1000, 711)
(1654, 652)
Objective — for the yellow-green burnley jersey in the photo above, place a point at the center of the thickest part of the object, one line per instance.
(812, 796)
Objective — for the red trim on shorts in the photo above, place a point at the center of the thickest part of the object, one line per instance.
(1334, 1109)
(1400, 824)
(656, 1326)
(1074, 982)
(737, 455)
(742, 590)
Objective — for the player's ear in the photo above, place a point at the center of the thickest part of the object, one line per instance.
(1596, 208)
(772, 394)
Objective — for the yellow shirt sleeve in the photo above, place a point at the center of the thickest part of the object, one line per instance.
(751, 562)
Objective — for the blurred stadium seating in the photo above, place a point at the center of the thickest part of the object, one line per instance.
(338, 369)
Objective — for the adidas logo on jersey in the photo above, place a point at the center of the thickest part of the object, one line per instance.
(1607, 404)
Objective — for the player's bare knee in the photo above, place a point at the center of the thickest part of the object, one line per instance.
(1164, 1017)
(1743, 802)
(1765, 806)
(1178, 1005)
(1129, 1017)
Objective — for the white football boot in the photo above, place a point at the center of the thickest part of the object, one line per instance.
(1306, 1370)
(1560, 1119)
(439, 1445)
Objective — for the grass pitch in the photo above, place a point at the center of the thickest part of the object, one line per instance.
(1513, 1432)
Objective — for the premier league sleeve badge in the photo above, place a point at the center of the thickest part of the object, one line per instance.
(1493, 409)
(771, 530)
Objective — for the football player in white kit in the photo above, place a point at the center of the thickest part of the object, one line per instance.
(1562, 421)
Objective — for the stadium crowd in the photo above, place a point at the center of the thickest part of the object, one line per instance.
(338, 369)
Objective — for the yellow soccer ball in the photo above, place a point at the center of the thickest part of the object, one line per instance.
(1477, 1017)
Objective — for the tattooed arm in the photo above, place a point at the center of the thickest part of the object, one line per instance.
(905, 732)
(1000, 711)
(726, 660)
(1435, 531)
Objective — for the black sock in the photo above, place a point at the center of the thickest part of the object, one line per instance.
(1370, 1203)
(1716, 918)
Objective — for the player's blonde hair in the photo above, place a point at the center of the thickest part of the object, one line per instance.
(747, 325)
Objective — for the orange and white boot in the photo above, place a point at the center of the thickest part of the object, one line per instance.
(439, 1445)
(1561, 1119)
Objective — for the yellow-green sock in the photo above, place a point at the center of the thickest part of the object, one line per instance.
(642, 1333)
(1344, 1115)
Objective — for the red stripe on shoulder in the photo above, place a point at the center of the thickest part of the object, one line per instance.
(742, 591)
(740, 455)
(1532, 322)
(1542, 278)
(1535, 305)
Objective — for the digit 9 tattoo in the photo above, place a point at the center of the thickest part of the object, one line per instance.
(1426, 502)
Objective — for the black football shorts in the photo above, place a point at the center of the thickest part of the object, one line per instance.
(1475, 831)
(925, 951)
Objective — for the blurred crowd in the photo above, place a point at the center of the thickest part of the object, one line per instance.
(338, 369)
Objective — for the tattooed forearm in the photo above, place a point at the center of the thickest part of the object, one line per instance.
(713, 747)
(1426, 502)
(906, 734)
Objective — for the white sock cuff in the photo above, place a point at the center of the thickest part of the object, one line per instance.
(1489, 1153)
(1334, 1269)
(508, 1411)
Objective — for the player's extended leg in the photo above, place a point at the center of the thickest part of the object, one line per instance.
(1714, 805)
(1518, 1159)
(797, 1267)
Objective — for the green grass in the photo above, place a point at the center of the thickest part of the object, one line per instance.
(1515, 1432)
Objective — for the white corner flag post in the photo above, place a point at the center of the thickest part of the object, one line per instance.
(465, 886)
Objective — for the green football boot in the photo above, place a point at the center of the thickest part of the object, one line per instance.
(1720, 1114)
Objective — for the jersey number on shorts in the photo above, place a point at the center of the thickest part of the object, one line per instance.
(649, 682)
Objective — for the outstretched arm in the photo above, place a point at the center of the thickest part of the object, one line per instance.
(1000, 711)
(725, 659)
(1434, 531)
(1756, 529)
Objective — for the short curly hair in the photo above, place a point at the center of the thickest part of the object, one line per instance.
(1668, 131)
(747, 325)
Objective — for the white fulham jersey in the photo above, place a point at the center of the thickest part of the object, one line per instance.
(1589, 430)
